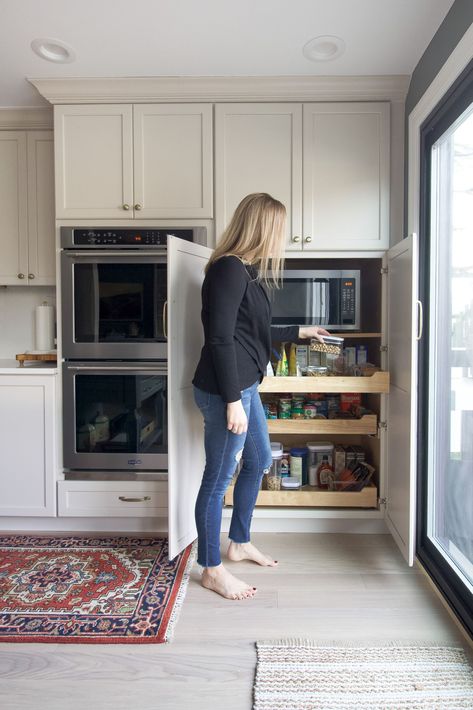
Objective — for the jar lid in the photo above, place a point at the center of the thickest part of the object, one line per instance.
(298, 451)
(277, 454)
(319, 445)
(290, 482)
(276, 447)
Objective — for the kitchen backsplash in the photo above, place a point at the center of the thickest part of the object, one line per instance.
(17, 316)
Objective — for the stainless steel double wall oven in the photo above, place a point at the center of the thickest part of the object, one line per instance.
(114, 335)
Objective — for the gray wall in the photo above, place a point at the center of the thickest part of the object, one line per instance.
(450, 32)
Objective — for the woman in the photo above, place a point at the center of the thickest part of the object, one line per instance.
(236, 315)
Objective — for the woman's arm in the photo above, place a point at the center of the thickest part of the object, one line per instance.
(291, 333)
(227, 284)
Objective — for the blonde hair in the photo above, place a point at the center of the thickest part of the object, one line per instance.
(256, 234)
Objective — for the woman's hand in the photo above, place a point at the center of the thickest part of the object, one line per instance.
(237, 421)
(313, 331)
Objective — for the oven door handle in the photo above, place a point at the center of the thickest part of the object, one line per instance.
(128, 253)
(119, 368)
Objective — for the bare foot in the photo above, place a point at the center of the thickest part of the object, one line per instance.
(246, 551)
(219, 580)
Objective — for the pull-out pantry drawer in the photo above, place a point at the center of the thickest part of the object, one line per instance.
(137, 499)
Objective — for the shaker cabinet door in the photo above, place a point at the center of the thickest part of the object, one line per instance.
(13, 209)
(41, 226)
(258, 148)
(27, 443)
(346, 176)
(94, 161)
(173, 160)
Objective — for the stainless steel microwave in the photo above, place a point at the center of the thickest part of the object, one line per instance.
(327, 298)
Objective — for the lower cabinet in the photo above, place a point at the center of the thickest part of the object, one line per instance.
(28, 445)
(116, 499)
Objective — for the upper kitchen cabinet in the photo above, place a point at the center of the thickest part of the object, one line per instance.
(94, 161)
(27, 208)
(41, 231)
(258, 148)
(173, 160)
(346, 176)
(124, 161)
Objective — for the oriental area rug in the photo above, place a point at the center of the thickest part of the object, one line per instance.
(90, 590)
(300, 674)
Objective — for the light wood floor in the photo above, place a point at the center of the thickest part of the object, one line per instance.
(328, 587)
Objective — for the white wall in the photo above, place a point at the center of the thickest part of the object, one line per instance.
(17, 308)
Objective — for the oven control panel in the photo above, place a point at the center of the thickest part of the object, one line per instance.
(116, 238)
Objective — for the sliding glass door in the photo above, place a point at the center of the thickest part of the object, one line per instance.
(445, 515)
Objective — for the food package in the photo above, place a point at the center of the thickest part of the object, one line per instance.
(282, 369)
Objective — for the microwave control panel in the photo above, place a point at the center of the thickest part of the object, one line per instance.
(128, 238)
(348, 301)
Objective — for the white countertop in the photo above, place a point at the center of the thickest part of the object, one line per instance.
(12, 367)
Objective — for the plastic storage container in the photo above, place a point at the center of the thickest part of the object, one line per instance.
(273, 478)
(317, 450)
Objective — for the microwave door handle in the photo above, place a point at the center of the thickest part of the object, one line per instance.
(313, 315)
(326, 302)
(322, 302)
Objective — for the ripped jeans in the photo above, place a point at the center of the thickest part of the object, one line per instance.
(223, 450)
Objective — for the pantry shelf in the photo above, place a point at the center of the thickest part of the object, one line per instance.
(367, 424)
(312, 497)
(377, 383)
(348, 335)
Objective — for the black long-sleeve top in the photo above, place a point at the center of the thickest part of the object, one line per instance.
(236, 315)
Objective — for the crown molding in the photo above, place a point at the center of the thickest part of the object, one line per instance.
(77, 90)
(27, 117)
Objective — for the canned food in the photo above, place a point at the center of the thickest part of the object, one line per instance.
(310, 411)
(285, 407)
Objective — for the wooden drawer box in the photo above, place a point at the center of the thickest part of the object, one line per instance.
(97, 499)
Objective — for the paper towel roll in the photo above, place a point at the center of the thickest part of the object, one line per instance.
(44, 318)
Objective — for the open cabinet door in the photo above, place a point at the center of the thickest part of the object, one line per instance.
(186, 262)
(401, 454)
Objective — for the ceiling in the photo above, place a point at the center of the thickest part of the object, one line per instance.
(209, 37)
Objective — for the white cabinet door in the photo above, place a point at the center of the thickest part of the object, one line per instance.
(402, 264)
(346, 176)
(41, 226)
(93, 161)
(173, 160)
(258, 148)
(186, 262)
(27, 443)
(13, 209)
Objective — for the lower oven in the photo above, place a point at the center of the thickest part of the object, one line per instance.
(115, 416)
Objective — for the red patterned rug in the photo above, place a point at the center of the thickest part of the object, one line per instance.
(90, 590)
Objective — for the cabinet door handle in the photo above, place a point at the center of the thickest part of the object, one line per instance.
(21, 276)
(296, 239)
(308, 239)
(125, 499)
(126, 206)
(420, 320)
(138, 206)
(165, 319)
(31, 276)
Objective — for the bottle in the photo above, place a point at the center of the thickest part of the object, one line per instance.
(325, 474)
(102, 426)
(292, 361)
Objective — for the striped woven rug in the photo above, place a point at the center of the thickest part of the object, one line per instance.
(300, 674)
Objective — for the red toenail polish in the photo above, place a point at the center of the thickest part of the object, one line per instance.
(254, 588)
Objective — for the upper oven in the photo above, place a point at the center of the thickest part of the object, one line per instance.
(114, 290)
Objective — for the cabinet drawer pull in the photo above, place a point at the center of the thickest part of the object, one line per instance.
(308, 239)
(134, 500)
(31, 276)
(296, 239)
(21, 276)
(137, 206)
(165, 319)
(126, 207)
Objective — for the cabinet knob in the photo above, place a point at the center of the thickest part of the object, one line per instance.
(21, 276)
(31, 276)
(137, 206)
(308, 239)
(296, 239)
(126, 207)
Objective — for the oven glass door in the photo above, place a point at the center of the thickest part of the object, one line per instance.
(114, 305)
(115, 416)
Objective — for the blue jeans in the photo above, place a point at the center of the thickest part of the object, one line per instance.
(223, 450)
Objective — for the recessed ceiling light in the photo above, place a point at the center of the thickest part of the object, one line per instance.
(54, 50)
(324, 48)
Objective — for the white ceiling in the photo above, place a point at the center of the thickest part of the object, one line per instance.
(209, 37)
